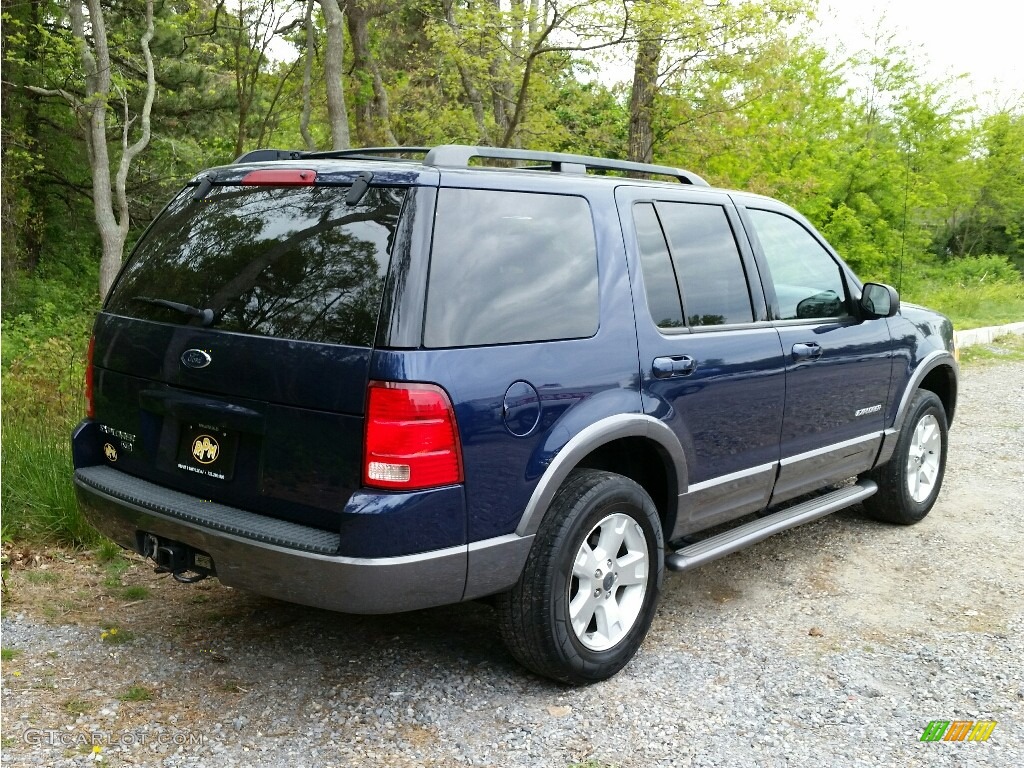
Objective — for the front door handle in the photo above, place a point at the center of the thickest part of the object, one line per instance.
(679, 365)
(808, 351)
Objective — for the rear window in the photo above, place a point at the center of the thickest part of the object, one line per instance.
(510, 267)
(289, 262)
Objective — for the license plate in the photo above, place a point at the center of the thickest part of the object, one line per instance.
(207, 451)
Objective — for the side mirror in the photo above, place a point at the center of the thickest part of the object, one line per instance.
(878, 300)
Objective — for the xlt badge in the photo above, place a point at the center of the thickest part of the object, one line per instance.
(196, 358)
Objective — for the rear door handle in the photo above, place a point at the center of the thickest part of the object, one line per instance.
(808, 351)
(679, 365)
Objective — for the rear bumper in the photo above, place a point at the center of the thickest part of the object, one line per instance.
(291, 562)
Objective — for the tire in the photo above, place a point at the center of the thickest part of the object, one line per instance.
(909, 483)
(573, 617)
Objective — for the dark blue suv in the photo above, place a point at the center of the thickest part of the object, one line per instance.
(371, 384)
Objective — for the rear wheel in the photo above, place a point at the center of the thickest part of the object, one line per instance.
(909, 483)
(588, 592)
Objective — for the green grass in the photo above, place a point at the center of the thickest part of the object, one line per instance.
(135, 593)
(43, 362)
(38, 498)
(1005, 348)
(42, 577)
(77, 707)
(10, 654)
(116, 635)
(114, 570)
(136, 693)
(108, 551)
(973, 306)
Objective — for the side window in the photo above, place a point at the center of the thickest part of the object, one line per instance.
(707, 261)
(808, 282)
(659, 276)
(510, 267)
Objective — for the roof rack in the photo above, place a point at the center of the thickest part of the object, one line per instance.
(459, 156)
(366, 153)
(362, 153)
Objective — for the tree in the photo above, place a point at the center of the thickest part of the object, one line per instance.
(991, 221)
(676, 38)
(497, 53)
(373, 112)
(100, 89)
(334, 58)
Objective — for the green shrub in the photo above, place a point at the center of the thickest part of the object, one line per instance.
(38, 498)
(45, 337)
(974, 292)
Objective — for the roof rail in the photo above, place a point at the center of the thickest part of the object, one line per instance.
(367, 153)
(458, 156)
(267, 155)
(362, 153)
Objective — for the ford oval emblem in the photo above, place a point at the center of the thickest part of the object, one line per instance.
(196, 358)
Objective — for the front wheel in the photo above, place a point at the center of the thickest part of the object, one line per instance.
(590, 586)
(909, 483)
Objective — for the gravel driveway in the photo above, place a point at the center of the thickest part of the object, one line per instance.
(830, 645)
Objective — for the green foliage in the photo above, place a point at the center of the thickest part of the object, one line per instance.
(44, 343)
(974, 292)
(38, 497)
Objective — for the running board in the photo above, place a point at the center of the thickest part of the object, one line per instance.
(735, 539)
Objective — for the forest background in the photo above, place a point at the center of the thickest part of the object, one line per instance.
(109, 106)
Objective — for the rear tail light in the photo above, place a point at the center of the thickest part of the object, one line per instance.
(412, 441)
(90, 408)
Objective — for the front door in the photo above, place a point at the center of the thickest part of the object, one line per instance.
(838, 367)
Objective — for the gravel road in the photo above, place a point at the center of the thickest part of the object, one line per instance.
(832, 644)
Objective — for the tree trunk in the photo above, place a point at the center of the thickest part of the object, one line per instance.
(501, 87)
(334, 58)
(307, 79)
(373, 112)
(476, 102)
(536, 21)
(641, 100)
(113, 229)
(34, 229)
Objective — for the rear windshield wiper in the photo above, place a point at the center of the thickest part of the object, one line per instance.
(205, 315)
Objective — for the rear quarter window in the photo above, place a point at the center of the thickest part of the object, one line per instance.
(510, 267)
(289, 262)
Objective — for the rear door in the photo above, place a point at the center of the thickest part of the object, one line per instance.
(711, 363)
(838, 367)
(258, 404)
